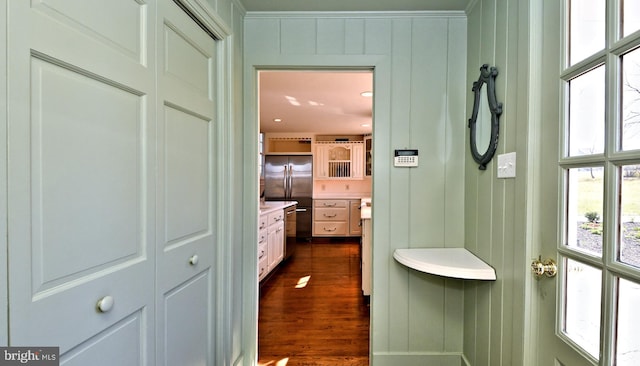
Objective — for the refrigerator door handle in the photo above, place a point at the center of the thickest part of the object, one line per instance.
(285, 182)
(290, 182)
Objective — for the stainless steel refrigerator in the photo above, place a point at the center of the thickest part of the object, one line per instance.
(290, 178)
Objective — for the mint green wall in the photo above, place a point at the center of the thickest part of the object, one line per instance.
(420, 84)
(496, 210)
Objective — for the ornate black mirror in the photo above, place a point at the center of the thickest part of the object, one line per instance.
(485, 118)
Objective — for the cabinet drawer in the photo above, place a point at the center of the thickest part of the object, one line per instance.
(262, 251)
(262, 222)
(262, 267)
(262, 237)
(275, 217)
(331, 214)
(330, 203)
(327, 228)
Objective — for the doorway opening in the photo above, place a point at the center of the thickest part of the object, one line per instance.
(326, 115)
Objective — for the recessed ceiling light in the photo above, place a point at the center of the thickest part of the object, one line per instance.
(365, 125)
(367, 93)
(277, 120)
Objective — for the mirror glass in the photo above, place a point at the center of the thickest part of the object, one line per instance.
(483, 122)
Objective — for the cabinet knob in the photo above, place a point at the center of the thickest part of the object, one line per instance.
(105, 304)
(193, 260)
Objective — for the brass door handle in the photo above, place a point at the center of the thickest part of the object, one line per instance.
(540, 268)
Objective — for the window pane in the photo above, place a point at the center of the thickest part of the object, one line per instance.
(629, 230)
(582, 305)
(584, 209)
(630, 16)
(628, 342)
(587, 28)
(631, 100)
(586, 113)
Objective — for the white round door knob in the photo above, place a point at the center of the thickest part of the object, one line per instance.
(193, 260)
(105, 304)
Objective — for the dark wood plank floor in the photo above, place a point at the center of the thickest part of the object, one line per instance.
(326, 321)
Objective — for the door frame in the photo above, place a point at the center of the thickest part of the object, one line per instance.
(4, 284)
(380, 69)
(539, 78)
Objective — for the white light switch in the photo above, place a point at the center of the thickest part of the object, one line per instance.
(507, 165)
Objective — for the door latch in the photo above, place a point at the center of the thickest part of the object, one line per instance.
(548, 267)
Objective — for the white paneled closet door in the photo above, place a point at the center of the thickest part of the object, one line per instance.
(81, 208)
(186, 182)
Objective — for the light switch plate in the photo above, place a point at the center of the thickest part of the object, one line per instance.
(507, 165)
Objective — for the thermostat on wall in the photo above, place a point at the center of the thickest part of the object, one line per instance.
(405, 158)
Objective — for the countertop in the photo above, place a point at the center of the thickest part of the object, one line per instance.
(270, 206)
(365, 208)
(341, 195)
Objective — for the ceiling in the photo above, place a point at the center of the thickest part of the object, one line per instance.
(354, 5)
(326, 102)
(321, 102)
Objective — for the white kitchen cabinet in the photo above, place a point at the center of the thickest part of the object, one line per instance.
(263, 250)
(366, 257)
(368, 155)
(270, 242)
(339, 160)
(336, 217)
(275, 240)
(355, 225)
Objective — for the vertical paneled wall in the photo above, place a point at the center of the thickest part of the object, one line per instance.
(495, 209)
(419, 62)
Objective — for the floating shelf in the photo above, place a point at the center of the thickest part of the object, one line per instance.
(447, 262)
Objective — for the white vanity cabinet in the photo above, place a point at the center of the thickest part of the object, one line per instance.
(339, 160)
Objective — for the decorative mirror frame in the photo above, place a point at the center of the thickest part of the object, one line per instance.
(488, 78)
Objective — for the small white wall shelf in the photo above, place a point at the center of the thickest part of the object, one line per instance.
(447, 262)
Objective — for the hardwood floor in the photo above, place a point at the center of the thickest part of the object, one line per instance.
(312, 311)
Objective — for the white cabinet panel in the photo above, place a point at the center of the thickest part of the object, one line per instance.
(275, 239)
